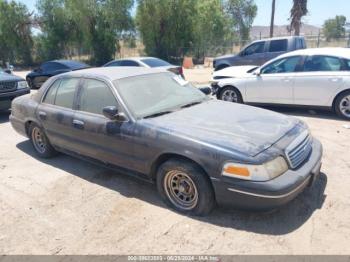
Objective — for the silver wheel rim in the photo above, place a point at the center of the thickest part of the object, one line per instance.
(230, 96)
(39, 140)
(180, 190)
(344, 106)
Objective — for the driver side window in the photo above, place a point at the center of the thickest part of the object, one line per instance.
(254, 49)
(284, 65)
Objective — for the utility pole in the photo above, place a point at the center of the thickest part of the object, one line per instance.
(272, 17)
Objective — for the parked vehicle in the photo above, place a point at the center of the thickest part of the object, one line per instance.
(39, 75)
(153, 124)
(312, 77)
(149, 62)
(260, 51)
(10, 87)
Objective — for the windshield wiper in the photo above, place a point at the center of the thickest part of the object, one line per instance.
(158, 114)
(191, 104)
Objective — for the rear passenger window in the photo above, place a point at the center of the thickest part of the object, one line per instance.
(95, 96)
(278, 45)
(322, 63)
(129, 63)
(65, 92)
(51, 93)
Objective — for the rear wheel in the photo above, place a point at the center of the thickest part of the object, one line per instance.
(40, 142)
(185, 187)
(342, 105)
(230, 94)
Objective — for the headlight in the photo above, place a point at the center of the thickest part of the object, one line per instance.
(264, 172)
(22, 84)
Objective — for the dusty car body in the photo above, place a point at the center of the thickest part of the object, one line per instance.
(254, 158)
(11, 86)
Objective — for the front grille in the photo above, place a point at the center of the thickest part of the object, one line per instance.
(299, 150)
(6, 86)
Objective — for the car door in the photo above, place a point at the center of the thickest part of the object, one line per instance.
(56, 112)
(252, 55)
(99, 137)
(275, 48)
(274, 83)
(319, 80)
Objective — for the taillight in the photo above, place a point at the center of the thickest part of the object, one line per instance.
(181, 70)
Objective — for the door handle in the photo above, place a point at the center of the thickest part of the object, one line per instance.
(286, 79)
(78, 124)
(42, 115)
(334, 79)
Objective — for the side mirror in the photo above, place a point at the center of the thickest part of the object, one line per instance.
(257, 72)
(8, 71)
(111, 112)
(205, 89)
(36, 70)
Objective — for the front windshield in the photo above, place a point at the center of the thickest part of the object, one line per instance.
(146, 95)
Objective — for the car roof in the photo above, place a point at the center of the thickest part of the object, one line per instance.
(327, 51)
(71, 63)
(114, 73)
(277, 38)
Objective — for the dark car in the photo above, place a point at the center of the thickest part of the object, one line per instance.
(153, 124)
(149, 62)
(260, 51)
(11, 86)
(39, 75)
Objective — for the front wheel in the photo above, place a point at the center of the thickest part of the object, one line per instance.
(342, 105)
(230, 94)
(185, 187)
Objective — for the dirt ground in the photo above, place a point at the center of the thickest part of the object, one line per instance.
(67, 206)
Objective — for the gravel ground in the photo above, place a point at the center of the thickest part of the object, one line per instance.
(67, 206)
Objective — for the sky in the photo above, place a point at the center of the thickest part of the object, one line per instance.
(319, 10)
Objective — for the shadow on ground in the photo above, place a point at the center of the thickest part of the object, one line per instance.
(282, 221)
(4, 116)
(304, 112)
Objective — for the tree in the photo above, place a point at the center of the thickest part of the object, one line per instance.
(15, 33)
(166, 26)
(242, 13)
(272, 17)
(212, 27)
(334, 28)
(298, 10)
(97, 25)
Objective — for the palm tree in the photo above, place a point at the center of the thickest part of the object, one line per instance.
(272, 17)
(298, 10)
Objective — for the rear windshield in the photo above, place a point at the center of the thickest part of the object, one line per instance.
(155, 62)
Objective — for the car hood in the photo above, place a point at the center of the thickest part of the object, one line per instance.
(233, 71)
(8, 77)
(238, 128)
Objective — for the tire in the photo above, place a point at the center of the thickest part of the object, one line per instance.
(342, 105)
(40, 142)
(230, 94)
(188, 181)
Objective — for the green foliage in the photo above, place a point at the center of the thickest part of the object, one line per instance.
(334, 28)
(242, 14)
(166, 25)
(15, 33)
(172, 28)
(96, 25)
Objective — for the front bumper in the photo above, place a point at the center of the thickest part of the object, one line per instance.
(7, 97)
(273, 193)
